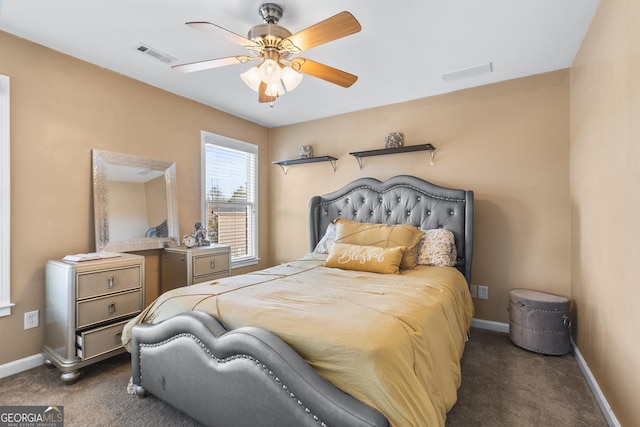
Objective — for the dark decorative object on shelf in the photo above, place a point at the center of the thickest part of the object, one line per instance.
(393, 140)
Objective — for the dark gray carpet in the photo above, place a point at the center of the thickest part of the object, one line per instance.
(502, 385)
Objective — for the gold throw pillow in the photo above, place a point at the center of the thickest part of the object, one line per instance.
(383, 236)
(373, 259)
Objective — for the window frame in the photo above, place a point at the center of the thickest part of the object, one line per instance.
(5, 200)
(234, 144)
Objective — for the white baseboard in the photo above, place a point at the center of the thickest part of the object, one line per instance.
(490, 325)
(612, 421)
(20, 365)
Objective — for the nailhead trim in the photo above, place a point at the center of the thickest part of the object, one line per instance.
(228, 359)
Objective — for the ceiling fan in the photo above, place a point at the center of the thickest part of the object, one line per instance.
(280, 71)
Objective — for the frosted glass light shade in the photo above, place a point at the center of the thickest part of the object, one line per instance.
(275, 89)
(252, 78)
(270, 71)
(291, 78)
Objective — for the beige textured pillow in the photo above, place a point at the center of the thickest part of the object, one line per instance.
(437, 247)
(383, 236)
(373, 259)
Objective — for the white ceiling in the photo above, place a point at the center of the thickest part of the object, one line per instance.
(400, 54)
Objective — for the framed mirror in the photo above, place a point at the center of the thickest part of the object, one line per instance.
(134, 202)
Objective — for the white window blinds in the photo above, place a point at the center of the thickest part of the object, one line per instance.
(230, 195)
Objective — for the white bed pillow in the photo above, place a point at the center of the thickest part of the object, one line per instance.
(327, 240)
(437, 247)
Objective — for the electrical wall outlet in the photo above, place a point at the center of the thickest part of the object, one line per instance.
(483, 292)
(31, 319)
(473, 289)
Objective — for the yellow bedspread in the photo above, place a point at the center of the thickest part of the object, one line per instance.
(393, 341)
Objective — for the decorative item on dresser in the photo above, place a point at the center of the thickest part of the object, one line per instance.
(87, 304)
(198, 238)
(187, 266)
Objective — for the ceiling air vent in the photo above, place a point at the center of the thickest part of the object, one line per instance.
(465, 73)
(167, 59)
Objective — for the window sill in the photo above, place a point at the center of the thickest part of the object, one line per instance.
(244, 263)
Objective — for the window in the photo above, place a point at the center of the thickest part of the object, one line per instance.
(5, 199)
(229, 195)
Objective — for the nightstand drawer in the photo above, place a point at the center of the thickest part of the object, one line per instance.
(212, 276)
(185, 266)
(99, 341)
(91, 312)
(204, 265)
(103, 282)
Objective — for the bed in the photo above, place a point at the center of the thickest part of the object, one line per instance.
(307, 344)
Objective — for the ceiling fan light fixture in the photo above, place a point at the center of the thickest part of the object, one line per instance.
(270, 71)
(251, 78)
(275, 89)
(290, 78)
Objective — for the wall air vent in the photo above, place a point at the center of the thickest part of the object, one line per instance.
(155, 53)
(465, 73)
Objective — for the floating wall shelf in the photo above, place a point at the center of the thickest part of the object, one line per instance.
(384, 151)
(286, 163)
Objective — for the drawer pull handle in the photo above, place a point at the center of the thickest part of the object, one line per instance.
(213, 263)
(112, 308)
(111, 281)
(118, 336)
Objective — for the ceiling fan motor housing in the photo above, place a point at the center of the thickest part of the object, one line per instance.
(270, 13)
(269, 34)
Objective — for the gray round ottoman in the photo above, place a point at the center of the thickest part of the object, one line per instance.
(539, 322)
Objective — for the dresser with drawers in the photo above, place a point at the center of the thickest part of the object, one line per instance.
(87, 305)
(183, 266)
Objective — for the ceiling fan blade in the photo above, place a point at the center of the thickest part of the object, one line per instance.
(222, 33)
(338, 26)
(324, 72)
(212, 63)
(262, 94)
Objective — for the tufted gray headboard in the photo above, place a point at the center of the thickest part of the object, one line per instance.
(402, 199)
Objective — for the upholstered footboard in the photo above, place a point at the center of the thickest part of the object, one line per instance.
(243, 377)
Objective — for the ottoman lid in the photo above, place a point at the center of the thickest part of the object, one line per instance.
(537, 296)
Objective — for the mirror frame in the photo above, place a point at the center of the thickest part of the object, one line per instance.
(103, 158)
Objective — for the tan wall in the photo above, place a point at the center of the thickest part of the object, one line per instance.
(605, 199)
(509, 142)
(61, 108)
